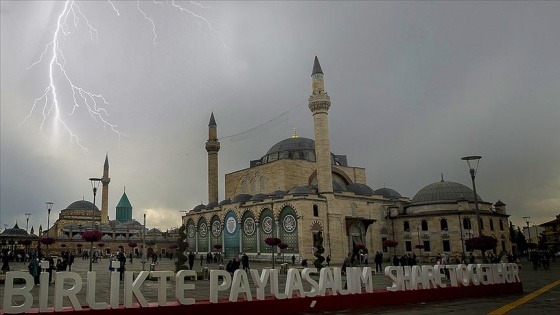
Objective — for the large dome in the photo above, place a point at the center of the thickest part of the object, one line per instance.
(444, 192)
(291, 148)
(81, 205)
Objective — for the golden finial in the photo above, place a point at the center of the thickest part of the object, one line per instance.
(295, 134)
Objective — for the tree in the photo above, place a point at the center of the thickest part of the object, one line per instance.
(272, 241)
(319, 259)
(182, 245)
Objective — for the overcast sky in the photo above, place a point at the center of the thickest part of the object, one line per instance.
(414, 87)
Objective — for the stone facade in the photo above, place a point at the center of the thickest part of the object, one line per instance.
(300, 188)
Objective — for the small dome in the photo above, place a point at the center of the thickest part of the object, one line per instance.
(132, 223)
(81, 205)
(211, 205)
(199, 208)
(387, 193)
(224, 202)
(360, 189)
(241, 198)
(300, 190)
(106, 237)
(258, 197)
(338, 187)
(153, 231)
(277, 194)
(444, 192)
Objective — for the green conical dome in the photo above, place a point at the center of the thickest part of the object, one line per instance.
(124, 202)
(124, 209)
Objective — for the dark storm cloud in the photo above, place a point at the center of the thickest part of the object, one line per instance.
(414, 87)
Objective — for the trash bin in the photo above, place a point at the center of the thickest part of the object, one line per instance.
(205, 273)
(283, 268)
(152, 267)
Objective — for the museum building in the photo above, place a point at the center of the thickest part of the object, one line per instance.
(299, 188)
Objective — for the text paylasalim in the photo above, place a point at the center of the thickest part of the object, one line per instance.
(330, 282)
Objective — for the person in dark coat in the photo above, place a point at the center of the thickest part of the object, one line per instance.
(236, 263)
(395, 260)
(191, 260)
(122, 262)
(245, 262)
(403, 260)
(5, 261)
(378, 259)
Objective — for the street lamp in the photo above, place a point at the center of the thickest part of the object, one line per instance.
(94, 185)
(27, 215)
(49, 208)
(527, 220)
(474, 159)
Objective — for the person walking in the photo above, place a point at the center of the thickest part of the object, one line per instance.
(378, 259)
(293, 260)
(122, 262)
(191, 260)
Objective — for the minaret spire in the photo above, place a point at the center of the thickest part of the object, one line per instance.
(319, 104)
(105, 192)
(212, 147)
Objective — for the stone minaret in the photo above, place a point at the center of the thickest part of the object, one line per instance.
(105, 193)
(319, 104)
(212, 147)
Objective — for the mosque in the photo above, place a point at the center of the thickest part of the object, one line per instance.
(83, 215)
(299, 188)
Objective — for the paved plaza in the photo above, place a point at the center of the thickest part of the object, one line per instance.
(547, 302)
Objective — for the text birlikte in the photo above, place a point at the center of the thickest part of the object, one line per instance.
(330, 282)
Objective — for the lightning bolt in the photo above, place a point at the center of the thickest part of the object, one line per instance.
(93, 103)
(114, 8)
(148, 18)
(50, 101)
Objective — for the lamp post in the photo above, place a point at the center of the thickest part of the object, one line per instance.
(144, 251)
(27, 215)
(49, 208)
(527, 220)
(474, 159)
(94, 185)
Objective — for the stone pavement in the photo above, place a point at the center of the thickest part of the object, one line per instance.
(532, 280)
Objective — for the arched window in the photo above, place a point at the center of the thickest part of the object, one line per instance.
(406, 226)
(424, 225)
(481, 223)
(467, 223)
(315, 210)
(443, 224)
(491, 225)
(253, 186)
(262, 190)
(501, 225)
